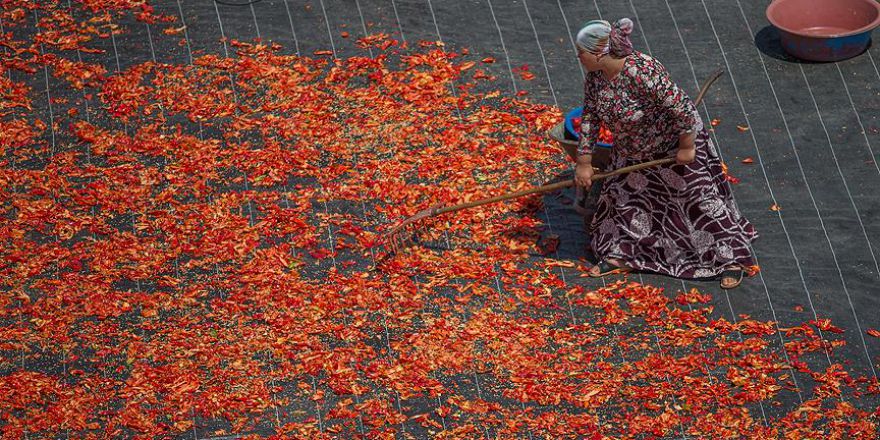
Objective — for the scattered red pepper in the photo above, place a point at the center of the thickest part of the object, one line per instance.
(182, 278)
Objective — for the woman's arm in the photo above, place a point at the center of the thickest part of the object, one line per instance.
(589, 133)
(663, 92)
(589, 129)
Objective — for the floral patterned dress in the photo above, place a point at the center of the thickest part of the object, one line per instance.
(677, 220)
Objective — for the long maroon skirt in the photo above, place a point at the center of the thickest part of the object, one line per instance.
(677, 220)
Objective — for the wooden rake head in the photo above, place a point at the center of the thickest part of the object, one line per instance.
(404, 234)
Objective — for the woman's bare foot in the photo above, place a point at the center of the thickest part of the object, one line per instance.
(732, 277)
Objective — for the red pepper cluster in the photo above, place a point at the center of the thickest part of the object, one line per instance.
(604, 134)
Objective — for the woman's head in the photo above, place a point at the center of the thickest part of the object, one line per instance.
(599, 38)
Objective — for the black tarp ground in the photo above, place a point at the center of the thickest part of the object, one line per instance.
(812, 131)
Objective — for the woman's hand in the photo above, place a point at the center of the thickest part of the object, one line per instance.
(685, 156)
(687, 151)
(583, 174)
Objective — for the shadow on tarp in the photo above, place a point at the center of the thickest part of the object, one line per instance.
(563, 221)
(768, 41)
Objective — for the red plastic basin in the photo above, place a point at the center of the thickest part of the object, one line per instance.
(824, 30)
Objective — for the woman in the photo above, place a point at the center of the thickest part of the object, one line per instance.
(678, 220)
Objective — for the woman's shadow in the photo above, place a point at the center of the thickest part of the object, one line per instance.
(565, 234)
(567, 213)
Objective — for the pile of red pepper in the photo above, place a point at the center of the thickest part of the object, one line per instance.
(186, 249)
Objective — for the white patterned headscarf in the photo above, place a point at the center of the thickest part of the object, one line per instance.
(599, 37)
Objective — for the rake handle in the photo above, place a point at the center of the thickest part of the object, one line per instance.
(712, 78)
(550, 187)
(568, 183)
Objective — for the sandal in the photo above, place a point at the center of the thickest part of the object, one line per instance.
(732, 273)
(606, 268)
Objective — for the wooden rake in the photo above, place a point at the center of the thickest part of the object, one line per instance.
(402, 234)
